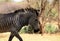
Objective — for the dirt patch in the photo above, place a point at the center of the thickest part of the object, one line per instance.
(32, 37)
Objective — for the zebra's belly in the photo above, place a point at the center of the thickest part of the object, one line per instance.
(4, 29)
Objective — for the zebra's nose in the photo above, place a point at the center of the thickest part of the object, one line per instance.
(35, 31)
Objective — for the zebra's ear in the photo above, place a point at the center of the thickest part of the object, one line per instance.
(37, 12)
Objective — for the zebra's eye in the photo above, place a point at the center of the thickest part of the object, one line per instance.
(36, 20)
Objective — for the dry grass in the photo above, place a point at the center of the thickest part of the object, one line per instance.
(32, 37)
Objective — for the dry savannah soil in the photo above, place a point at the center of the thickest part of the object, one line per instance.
(32, 37)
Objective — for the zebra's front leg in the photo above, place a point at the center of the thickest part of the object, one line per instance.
(11, 37)
(18, 36)
(15, 33)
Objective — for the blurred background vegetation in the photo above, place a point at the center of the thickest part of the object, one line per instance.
(49, 15)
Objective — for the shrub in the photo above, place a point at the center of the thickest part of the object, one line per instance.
(50, 28)
(26, 29)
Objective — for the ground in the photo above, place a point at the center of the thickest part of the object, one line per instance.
(32, 37)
